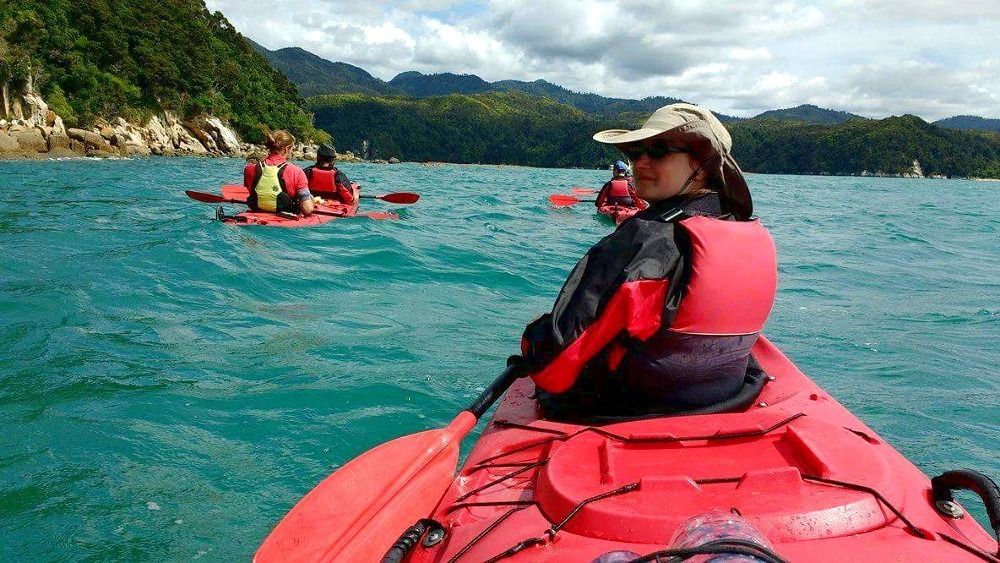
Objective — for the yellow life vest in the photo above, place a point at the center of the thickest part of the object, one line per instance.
(268, 185)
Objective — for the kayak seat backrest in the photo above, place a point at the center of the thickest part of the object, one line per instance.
(584, 408)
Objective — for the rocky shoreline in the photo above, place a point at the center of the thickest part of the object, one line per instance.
(32, 131)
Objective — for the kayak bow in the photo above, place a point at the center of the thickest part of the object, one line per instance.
(809, 475)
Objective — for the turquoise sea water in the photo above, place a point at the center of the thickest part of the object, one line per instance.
(170, 386)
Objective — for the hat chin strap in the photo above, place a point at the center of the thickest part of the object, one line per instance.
(690, 179)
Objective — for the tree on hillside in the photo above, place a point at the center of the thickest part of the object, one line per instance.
(129, 58)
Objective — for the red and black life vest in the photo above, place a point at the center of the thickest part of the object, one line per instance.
(673, 326)
(700, 356)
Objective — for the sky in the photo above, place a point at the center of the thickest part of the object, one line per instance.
(930, 58)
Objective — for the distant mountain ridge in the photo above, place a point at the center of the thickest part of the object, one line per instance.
(808, 113)
(970, 123)
(314, 75)
(421, 85)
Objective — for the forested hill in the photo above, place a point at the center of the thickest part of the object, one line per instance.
(315, 75)
(859, 146)
(515, 128)
(809, 113)
(131, 58)
(487, 128)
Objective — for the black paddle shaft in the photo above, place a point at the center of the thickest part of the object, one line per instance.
(489, 396)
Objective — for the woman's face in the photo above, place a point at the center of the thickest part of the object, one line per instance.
(661, 168)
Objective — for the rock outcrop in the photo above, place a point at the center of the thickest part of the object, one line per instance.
(29, 129)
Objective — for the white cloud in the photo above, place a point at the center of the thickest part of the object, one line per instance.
(386, 33)
(872, 57)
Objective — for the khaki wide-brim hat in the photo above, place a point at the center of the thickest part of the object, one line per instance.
(691, 124)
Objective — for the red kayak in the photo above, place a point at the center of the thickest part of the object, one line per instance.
(809, 476)
(617, 212)
(326, 211)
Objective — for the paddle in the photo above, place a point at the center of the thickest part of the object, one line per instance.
(357, 513)
(212, 198)
(583, 191)
(560, 200)
(398, 197)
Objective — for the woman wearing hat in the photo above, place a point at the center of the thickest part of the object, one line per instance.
(275, 184)
(325, 180)
(662, 313)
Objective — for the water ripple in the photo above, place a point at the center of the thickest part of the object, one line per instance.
(172, 385)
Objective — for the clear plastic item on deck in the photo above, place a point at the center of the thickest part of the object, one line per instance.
(717, 525)
(617, 557)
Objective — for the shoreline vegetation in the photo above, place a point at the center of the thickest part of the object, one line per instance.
(866, 148)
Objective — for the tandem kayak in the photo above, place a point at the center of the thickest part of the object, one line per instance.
(617, 212)
(325, 212)
(814, 480)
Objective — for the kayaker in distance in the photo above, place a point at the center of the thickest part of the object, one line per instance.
(662, 312)
(620, 190)
(275, 184)
(325, 180)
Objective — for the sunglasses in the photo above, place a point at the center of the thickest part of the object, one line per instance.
(655, 150)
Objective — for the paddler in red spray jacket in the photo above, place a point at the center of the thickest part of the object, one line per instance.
(660, 315)
(325, 180)
(275, 184)
(620, 190)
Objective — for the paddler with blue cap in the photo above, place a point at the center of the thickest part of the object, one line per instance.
(620, 190)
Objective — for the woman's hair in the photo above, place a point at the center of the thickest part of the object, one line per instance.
(277, 141)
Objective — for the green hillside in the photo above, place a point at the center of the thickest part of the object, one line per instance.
(421, 85)
(489, 128)
(515, 128)
(886, 145)
(130, 58)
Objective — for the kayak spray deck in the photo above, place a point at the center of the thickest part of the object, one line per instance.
(818, 483)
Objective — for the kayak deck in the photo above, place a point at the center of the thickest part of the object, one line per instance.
(327, 211)
(817, 482)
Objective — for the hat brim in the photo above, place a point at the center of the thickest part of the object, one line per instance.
(622, 136)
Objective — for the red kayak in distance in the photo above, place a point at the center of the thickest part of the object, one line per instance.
(808, 475)
(327, 211)
(617, 213)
